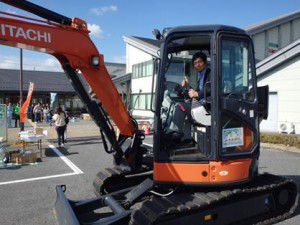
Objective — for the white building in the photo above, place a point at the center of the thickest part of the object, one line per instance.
(281, 71)
(277, 53)
(140, 53)
(271, 35)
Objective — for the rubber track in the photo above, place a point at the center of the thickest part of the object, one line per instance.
(180, 204)
(103, 178)
(115, 176)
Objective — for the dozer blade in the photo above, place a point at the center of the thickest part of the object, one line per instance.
(63, 208)
(267, 200)
(83, 212)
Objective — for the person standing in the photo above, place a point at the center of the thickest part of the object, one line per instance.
(67, 119)
(37, 112)
(44, 110)
(9, 115)
(30, 112)
(17, 114)
(46, 114)
(60, 125)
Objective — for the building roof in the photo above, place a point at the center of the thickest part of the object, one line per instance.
(147, 45)
(273, 22)
(151, 46)
(116, 69)
(122, 79)
(278, 58)
(46, 81)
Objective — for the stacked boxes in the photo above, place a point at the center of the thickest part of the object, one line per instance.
(23, 157)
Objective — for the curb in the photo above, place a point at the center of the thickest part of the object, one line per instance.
(280, 147)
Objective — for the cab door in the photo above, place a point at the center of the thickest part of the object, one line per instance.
(237, 126)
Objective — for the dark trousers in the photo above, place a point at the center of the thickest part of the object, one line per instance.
(60, 134)
(17, 118)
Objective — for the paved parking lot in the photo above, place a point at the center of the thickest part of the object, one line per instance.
(28, 194)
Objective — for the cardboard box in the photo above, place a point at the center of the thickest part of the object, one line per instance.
(86, 116)
(29, 157)
(26, 157)
(38, 130)
(15, 158)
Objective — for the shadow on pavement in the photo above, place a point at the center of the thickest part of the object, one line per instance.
(15, 167)
(50, 153)
(85, 143)
(78, 139)
(92, 140)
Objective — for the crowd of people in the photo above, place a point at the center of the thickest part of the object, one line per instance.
(13, 113)
(41, 114)
(36, 112)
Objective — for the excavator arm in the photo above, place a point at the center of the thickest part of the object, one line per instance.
(70, 43)
(68, 40)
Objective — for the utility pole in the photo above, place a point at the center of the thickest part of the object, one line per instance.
(21, 87)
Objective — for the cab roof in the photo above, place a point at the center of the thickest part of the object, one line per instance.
(202, 28)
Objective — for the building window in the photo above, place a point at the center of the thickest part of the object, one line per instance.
(77, 103)
(141, 101)
(134, 103)
(143, 69)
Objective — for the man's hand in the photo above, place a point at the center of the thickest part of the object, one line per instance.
(184, 82)
(193, 93)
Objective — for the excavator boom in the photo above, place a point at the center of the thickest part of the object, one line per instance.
(70, 43)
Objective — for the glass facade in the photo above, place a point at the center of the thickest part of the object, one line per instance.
(143, 69)
(141, 101)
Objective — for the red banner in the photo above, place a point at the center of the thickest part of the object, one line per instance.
(23, 110)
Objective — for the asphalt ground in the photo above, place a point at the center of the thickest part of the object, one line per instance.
(32, 201)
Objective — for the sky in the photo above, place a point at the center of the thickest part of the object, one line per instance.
(110, 20)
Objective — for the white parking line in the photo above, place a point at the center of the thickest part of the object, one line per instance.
(66, 160)
(37, 178)
(150, 145)
(73, 167)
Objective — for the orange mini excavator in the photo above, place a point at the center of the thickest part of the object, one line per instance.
(203, 165)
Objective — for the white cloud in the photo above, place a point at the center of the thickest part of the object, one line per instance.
(13, 62)
(52, 63)
(102, 10)
(119, 59)
(11, 11)
(9, 62)
(96, 30)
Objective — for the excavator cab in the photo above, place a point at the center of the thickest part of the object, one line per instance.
(195, 134)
